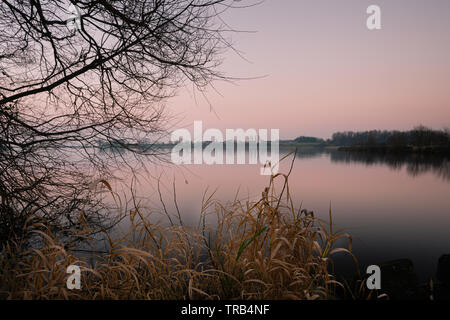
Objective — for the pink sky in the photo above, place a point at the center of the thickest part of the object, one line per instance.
(325, 71)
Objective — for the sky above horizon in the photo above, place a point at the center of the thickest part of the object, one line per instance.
(317, 69)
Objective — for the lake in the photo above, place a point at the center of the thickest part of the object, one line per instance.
(395, 206)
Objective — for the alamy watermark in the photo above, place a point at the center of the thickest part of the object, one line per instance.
(374, 280)
(213, 147)
(74, 280)
(374, 20)
(73, 22)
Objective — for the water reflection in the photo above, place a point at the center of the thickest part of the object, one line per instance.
(415, 164)
(390, 214)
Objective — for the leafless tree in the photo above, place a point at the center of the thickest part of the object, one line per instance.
(75, 72)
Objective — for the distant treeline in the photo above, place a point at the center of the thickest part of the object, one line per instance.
(418, 137)
(309, 140)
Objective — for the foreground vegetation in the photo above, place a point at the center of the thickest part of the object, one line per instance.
(264, 249)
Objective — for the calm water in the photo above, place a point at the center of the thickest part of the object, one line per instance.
(395, 207)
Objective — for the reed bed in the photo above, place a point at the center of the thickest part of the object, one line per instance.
(264, 249)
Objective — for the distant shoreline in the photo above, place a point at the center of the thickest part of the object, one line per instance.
(380, 149)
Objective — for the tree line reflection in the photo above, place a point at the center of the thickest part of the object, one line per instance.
(415, 164)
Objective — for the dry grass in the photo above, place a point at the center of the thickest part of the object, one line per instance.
(264, 249)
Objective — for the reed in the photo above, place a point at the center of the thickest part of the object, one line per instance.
(264, 249)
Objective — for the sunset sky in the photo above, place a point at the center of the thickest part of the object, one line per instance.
(321, 70)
